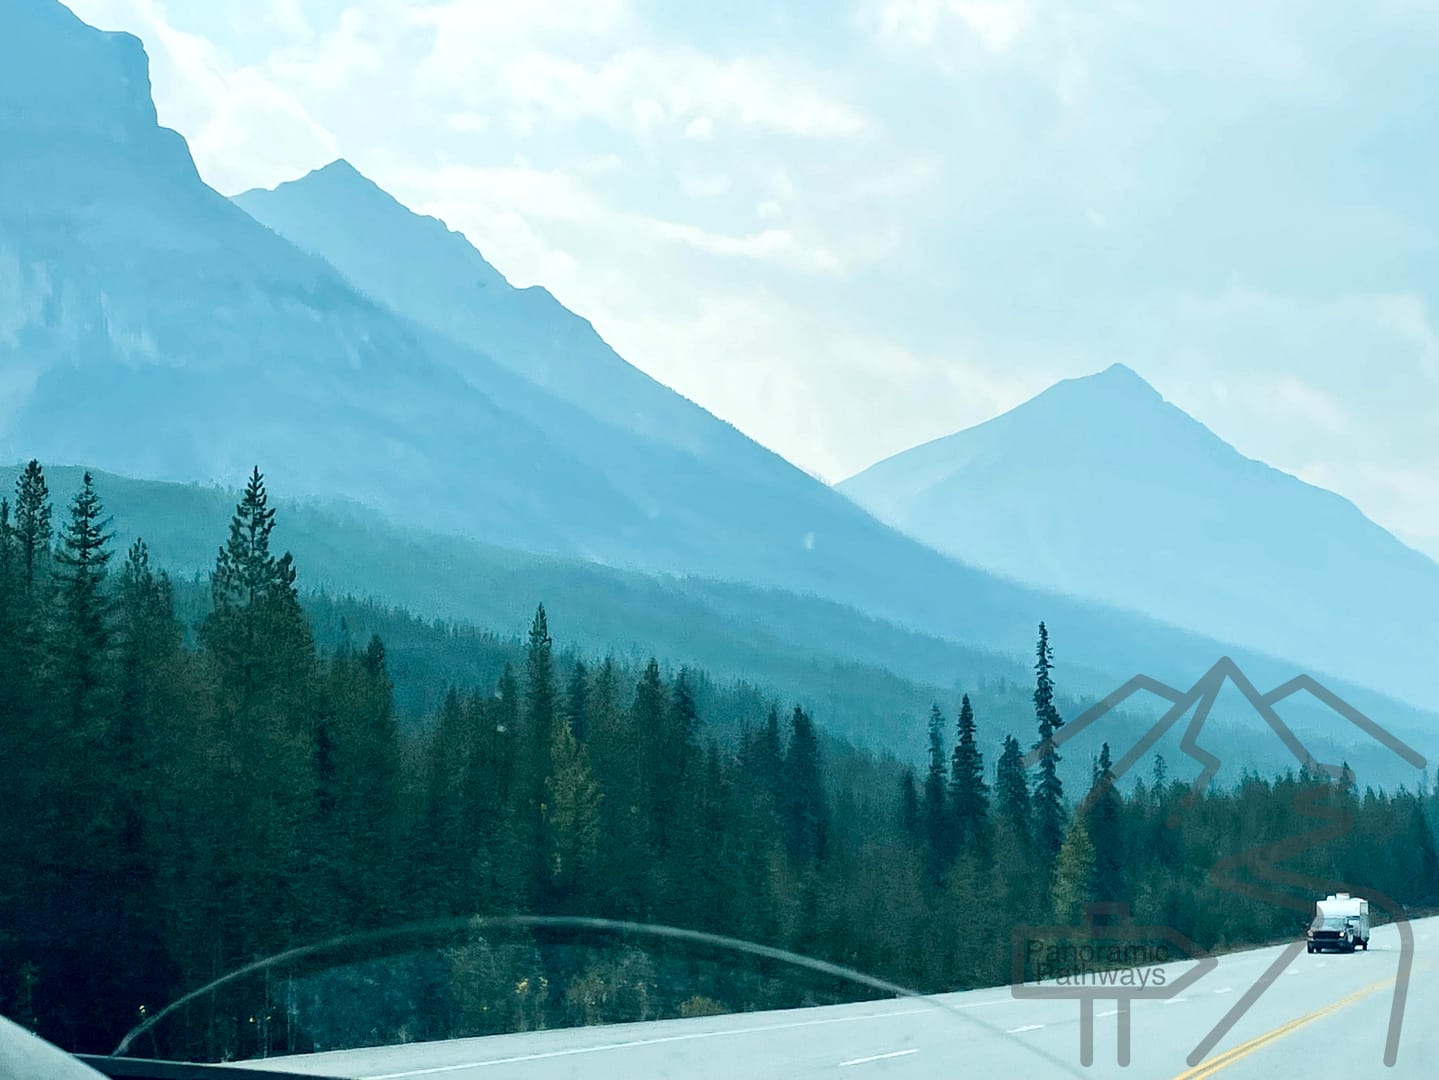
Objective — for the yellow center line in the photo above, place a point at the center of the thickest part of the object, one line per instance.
(1243, 1050)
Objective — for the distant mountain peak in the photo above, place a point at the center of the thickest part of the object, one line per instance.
(1114, 380)
(1100, 487)
(340, 175)
(378, 220)
(340, 166)
(433, 275)
(340, 171)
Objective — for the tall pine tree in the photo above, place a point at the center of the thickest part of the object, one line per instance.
(933, 812)
(968, 792)
(9, 574)
(1049, 813)
(539, 741)
(82, 634)
(573, 824)
(263, 666)
(1103, 810)
(30, 532)
(806, 821)
(32, 525)
(539, 702)
(9, 627)
(1073, 875)
(1012, 788)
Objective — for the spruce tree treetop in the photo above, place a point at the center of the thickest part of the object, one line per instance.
(245, 570)
(1012, 787)
(540, 685)
(145, 602)
(540, 630)
(1045, 713)
(258, 637)
(375, 657)
(937, 770)
(968, 792)
(539, 719)
(1103, 808)
(7, 550)
(1049, 815)
(934, 813)
(1103, 765)
(32, 520)
(84, 625)
(83, 540)
(806, 817)
(767, 756)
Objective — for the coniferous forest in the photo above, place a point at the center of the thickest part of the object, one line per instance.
(191, 783)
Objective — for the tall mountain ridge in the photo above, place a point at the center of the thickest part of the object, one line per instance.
(1102, 488)
(151, 327)
(417, 266)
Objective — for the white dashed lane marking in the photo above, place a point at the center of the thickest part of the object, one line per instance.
(876, 1057)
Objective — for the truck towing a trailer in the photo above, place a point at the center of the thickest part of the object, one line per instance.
(1341, 922)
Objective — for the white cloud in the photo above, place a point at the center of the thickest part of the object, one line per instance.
(701, 127)
(640, 89)
(808, 387)
(256, 131)
(334, 60)
(1289, 399)
(601, 164)
(1334, 390)
(482, 201)
(1407, 315)
(995, 24)
(285, 16)
(470, 123)
(464, 25)
(779, 246)
(913, 22)
(706, 187)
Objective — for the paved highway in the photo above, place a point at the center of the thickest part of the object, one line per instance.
(1326, 1013)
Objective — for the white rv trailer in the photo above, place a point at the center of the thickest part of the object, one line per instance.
(1341, 922)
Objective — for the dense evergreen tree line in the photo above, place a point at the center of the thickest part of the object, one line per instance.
(180, 800)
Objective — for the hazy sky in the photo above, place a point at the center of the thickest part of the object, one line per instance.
(849, 226)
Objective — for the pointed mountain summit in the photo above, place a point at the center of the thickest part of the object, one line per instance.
(369, 219)
(420, 268)
(1101, 488)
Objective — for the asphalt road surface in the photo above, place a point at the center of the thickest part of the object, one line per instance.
(1326, 1014)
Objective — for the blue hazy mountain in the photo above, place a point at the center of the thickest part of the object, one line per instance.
(150, 327)
(421, 269)
(1103, 489)
(148, 324)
